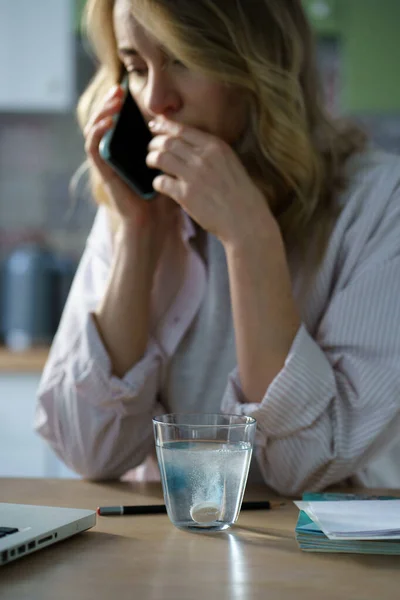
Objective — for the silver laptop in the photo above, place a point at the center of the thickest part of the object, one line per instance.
(25, 528)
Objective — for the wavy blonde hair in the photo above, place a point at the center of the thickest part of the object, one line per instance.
(293, 150)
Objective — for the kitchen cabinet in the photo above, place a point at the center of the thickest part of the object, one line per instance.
(37, 55)
(22, 452)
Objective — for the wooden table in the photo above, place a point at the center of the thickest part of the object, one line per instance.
(148, 558)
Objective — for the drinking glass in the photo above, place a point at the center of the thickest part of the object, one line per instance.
(204, 462)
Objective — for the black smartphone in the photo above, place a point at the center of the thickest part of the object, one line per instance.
(124, 148)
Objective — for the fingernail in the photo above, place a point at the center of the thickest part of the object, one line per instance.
(113, 90)
(106, 122)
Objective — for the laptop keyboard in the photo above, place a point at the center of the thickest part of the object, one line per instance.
(7, 531)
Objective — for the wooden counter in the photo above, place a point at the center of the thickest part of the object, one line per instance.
(147, 558)
(30, 361)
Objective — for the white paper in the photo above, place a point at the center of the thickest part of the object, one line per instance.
(355, 519)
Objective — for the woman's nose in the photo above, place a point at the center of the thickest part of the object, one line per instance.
(161, 97)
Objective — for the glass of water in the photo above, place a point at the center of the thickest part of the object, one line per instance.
(204, 462)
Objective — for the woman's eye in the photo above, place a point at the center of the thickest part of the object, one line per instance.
(140, 72)
(178, 63)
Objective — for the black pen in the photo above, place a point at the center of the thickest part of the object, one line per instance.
(159, 509)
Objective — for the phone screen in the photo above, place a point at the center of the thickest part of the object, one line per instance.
(127, 149)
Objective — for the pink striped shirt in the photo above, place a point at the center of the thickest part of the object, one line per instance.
(332, 413)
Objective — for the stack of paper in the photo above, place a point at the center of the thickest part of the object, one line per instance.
(344, 523)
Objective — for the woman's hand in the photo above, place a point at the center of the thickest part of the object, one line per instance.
(155, 217)
(204, 175)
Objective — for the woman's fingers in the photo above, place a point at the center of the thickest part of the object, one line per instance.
(172, 145)
(93, 139)
(97, 127)
(110, 108)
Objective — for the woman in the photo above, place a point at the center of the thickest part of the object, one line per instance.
(262, 280)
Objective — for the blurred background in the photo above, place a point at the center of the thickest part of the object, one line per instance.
(44, 67)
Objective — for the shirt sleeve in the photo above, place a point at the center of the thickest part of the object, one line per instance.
(335, 405)
(98, 424)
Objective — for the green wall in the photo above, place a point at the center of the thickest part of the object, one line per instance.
(371, 48)
(369, 32)
(79, 4)
(329, 25)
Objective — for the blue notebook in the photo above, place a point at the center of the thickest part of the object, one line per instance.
(310, 538)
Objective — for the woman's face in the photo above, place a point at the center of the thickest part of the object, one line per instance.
(162, 86)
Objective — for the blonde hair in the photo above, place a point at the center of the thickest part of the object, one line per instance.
(293, 150)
